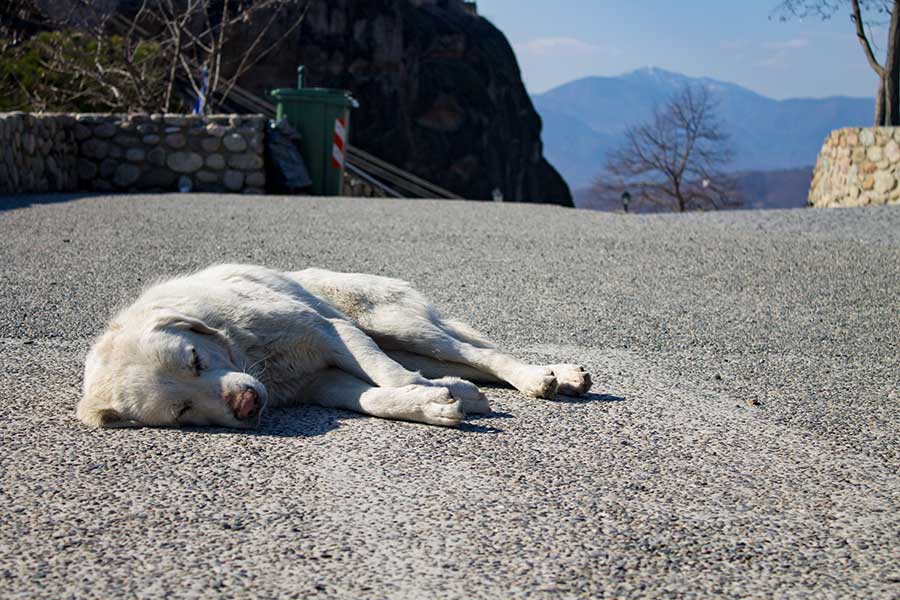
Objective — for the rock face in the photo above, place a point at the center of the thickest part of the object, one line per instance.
(857, 167)
(440, 91)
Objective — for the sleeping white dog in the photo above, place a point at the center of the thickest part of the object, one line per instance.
(218, 346)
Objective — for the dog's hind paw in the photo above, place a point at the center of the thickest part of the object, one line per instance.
(537, 382)
(573, 380)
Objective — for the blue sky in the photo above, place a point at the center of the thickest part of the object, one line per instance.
(731, 40)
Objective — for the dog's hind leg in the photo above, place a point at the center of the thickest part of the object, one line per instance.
(572, 380)
(400, 318)
(454, 343)
(433, 368)
(422, 404)
(436, 343)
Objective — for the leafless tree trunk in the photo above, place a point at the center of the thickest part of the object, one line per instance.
(881, 12)
(18, 20)
(180, 37)
(674, 161)
(198, 36)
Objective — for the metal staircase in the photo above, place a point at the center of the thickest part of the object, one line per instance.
(390, 179)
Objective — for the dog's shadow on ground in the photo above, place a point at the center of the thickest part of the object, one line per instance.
(589, 398)
(311, 421)
(305, 421)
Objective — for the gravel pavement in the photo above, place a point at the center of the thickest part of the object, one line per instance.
(742, 438)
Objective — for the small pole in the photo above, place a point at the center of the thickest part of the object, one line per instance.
(300, 77)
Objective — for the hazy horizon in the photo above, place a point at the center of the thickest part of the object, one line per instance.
(716, 79)
(733, 42)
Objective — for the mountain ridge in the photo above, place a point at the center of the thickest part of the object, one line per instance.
(586, 117)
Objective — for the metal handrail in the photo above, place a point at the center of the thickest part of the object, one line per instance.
(390, 179)
(364, 157)
(362, 161)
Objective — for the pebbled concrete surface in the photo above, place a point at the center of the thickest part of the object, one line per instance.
(742, 439)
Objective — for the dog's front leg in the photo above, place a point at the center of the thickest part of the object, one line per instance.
(355, 352)
(432, 405)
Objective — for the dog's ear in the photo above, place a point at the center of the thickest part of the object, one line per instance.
(179, 321)
(169, 319)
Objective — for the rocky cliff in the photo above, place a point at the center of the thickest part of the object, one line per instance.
(440, 92)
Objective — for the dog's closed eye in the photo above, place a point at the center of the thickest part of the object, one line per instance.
(196, 364)
(184, 408)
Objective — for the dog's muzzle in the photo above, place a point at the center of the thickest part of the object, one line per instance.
(246, 405)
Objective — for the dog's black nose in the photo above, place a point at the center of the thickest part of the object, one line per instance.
(247, 404)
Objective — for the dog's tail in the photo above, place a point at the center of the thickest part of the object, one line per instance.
(465, 333)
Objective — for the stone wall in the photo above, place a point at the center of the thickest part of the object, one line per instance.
(37, 153)
(356, 187)
(138, 152)
(857, 167)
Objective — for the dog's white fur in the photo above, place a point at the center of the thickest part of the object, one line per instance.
(215, 347)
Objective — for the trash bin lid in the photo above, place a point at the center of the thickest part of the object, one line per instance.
(321, 95)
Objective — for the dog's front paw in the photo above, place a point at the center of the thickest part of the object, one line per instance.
(473, 401)
(537, 382)
(440, 408)
(573, 380)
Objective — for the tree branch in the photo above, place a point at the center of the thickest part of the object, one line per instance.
(864, 39)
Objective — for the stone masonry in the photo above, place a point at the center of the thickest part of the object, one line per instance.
(37, 153)
(136, 152)
(358, 188)
(858, 167)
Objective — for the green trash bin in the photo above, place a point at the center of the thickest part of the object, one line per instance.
(322, 116)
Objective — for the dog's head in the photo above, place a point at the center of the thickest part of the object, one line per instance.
(168, 370)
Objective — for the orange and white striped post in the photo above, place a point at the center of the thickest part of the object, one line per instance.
(340, 143)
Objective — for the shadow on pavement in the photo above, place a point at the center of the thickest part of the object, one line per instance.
(25, 200)
(491, 415)
(301, 421)
(310, 421)
(589, 398)
(475, 428)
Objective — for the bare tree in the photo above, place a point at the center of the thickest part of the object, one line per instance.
(18, 20)
(66, 60)
(198, 31)
(140, 61)
(864, 15)
(674, 161)
(82, 72)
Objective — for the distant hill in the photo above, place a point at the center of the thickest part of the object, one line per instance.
(787, 188)
(585, 118)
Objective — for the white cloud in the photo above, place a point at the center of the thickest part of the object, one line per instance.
(733, 44)
(779, 51)
(557, 45)
(792, 44)
(779, 59)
